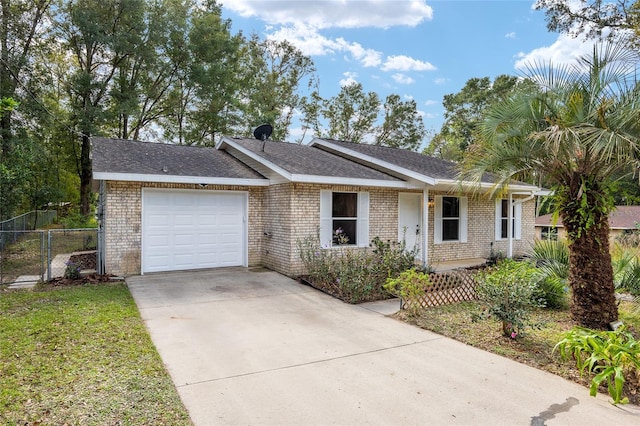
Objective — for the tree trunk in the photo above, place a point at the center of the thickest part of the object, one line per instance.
(85, 176)
(591, 277)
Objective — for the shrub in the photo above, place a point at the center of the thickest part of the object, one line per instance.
(626, 269)
(607, 354)
(409, 286)
(552, 260)
(77, 221)
(72, 270)
(507, 293)
(354, 274)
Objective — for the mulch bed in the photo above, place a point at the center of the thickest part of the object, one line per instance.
(85, 260)
(68, 282)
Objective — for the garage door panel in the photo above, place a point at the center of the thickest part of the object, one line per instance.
(192, 229)
(184, 220)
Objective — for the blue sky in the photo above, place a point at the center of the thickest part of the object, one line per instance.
(418, 49)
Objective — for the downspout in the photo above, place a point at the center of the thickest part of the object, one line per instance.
(425, 227)
(510, 226)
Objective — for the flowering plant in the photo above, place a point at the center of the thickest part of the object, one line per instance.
(72, 270)
(340, 237)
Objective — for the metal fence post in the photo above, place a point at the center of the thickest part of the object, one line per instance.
(49, 255)
(41, 254)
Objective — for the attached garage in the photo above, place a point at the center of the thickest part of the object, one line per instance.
(193, 229)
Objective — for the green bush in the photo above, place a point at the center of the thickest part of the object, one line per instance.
(552, 260)
(72, 270)
(354, 274)
(409, 286)
(77, 221)
(626, 269)
(507, 292)
(609, 355)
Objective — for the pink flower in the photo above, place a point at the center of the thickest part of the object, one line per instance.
(513, 334)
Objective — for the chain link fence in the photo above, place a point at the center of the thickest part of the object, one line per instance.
(31, 256)
(13, 229)
(22, 256)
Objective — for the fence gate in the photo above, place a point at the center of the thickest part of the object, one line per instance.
(30, 256)
(22, 257)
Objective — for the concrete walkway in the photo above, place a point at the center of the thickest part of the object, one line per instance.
(58, 267)
(254, 347)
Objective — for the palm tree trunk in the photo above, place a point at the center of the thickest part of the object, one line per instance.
(591, 277)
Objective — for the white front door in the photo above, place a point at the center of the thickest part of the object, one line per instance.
(410, 219)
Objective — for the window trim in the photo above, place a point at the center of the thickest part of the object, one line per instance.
(326, 219)
(462, 224)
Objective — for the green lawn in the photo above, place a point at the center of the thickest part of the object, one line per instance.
(81, 355)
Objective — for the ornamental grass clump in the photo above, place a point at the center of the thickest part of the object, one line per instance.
(609, 355)
(507, 293)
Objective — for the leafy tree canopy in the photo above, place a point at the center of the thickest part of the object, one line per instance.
(356, 116)
(463, 112)
(594, 18)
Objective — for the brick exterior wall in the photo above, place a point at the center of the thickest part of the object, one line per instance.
(293, 213)
(480, 232)
(123, 222)
(281, 214)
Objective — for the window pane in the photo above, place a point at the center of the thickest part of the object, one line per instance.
(505, 208)
(344, 231)
(505, 218)
(345, 204)
(450, 230)
(450, 207)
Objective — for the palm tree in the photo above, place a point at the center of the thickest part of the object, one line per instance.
(578, 129)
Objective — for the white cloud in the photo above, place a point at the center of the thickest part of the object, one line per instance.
(564, 50)
(402, 79)
(512, 34)
(350, 78)
(406, 63)
(366, 57)
(312, 43)
(441, 80)
(431, 102)
(335, 13)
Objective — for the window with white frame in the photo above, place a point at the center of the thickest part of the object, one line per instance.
(549, 233)
(450, 223)
(344, 218)
(502, 220)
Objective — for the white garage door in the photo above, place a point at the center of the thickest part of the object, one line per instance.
(184, 229)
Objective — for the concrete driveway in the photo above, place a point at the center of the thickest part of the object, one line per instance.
(250, 346)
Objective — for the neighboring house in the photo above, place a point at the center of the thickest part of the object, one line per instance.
(248, 202)
(623, 220)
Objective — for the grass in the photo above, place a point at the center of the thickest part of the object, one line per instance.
(535, 348)
(81, 355)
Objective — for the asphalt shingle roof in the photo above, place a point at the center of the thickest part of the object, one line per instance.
(410, 160)
(127, 156)
(307, 160)
(623, 217)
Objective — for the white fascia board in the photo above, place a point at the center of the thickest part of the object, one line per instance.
(225, 141)
(335, 180)
(515, 189)
(139, 177)
(390, 167)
